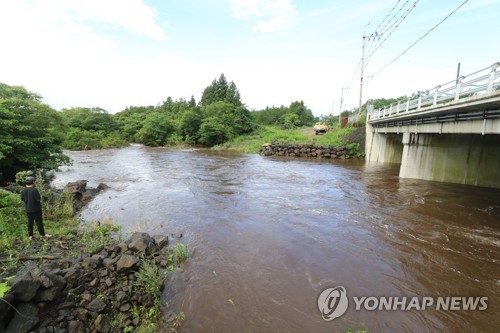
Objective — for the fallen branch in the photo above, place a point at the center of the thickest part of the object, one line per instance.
(30, 258)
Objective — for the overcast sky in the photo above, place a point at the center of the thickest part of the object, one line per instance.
(117, 53)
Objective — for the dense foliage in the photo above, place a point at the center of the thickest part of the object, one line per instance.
(296, 115)
(220, 116)
(90, 128)
(31, 132)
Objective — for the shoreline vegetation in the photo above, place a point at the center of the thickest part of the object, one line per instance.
(352, 137)
(92, 279)
(33, 137)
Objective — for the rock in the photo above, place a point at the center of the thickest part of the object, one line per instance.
(102, 187)
(48, 295)
(81, 314)
(25, 318)
(76, 188)
(160, 240)
(125, 307)
(89, 264)
(140, 242)
(97, 305)
(121, 248)
(121, 296)
(76, 326)
(126, 263)
(102, 324)
(24, 285)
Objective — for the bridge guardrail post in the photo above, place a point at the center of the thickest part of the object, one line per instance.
(407, 104)
(390, 110)
(436, 93)
(492, 76)
(458, 87)
(397, 109)
(419, 100)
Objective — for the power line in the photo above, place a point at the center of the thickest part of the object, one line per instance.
(418, 40)
(387, 15)
(399, 21)
(382, 31)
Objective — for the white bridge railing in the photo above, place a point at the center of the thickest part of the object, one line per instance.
(481, 82)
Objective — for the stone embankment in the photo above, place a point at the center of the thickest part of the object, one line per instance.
(82, 294)
(278, 148)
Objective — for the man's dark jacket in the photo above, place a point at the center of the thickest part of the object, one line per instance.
(31, 198)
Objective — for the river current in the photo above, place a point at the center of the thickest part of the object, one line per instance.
(270, 234)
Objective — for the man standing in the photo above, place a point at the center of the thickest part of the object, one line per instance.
(31, 198)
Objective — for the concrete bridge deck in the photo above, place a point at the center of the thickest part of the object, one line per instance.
(449, 135)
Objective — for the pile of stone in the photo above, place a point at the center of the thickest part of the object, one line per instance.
(278, 148)
(83, 294)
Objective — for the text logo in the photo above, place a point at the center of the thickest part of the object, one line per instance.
(333, 302)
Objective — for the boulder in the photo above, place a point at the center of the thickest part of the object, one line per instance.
(76, 188)
(140, 242)
(97, 305)
(24, 320)
(102, 324)
(24, 285)
(126, 263)
(160, 240)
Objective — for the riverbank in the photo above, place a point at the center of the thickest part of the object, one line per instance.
(352, 137)
(82, 279)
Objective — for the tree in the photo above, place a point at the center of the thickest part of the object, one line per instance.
(190, 126)
(221, 91)
(30, 133)
(213, 131)
(304, 114)
(156, 129)
(89, 119)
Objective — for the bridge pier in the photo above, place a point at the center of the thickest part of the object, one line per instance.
(383, 148)
(449, 134)
(471, 159)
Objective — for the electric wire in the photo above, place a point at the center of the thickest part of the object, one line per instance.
(387, 15)
(382, 31)
(418, 40)
(400, 20)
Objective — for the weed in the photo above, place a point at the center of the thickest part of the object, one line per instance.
(149, 278)
(181, 252)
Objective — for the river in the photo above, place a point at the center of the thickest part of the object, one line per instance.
(270, 234)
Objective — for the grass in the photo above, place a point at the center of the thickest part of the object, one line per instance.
(68, 234)
(181, 252)
(251, 143)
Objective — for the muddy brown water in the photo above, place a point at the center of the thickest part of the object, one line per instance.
(271, 234)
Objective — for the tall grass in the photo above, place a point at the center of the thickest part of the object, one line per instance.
(251, 143)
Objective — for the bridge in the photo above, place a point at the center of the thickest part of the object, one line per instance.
(450, 133)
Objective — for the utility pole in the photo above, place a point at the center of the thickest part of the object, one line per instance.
(361, 78)
(341, 100)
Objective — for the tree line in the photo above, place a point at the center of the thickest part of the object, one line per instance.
(33, 135)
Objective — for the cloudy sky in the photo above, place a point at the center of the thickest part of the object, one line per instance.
(117, 53)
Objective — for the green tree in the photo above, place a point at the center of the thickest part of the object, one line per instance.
(221, 91)
(190, 126)
(30, 133)
(130, 120)
(156, 129)
(304, 114)
(213, 131)
(89, 119)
